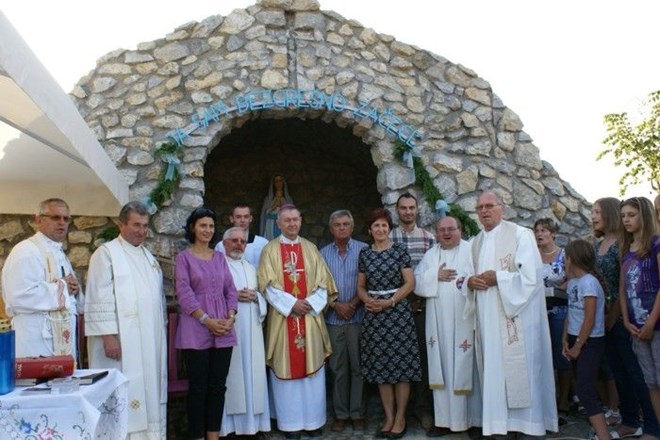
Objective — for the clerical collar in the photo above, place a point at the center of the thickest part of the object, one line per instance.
(52, 243)
(285, 240)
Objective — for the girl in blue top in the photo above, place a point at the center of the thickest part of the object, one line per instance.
(640, 285)
(584, 329)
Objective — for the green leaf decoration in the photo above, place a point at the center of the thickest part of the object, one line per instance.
(431, 193)
(109, 233)
(168, 178)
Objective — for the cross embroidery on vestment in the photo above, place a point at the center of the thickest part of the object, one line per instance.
(465, 345)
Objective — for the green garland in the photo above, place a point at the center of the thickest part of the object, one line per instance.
(171, 152)
(169, 176)
(431, 193)
(109, 233)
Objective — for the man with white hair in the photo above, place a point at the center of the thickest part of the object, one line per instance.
(513, 338)
(246, 410)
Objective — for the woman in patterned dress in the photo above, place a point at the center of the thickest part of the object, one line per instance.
(389, 353)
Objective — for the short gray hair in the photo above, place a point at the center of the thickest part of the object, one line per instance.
(341, 213)
(43, 205)
(233, 229)
(497, 196)
(134, 206)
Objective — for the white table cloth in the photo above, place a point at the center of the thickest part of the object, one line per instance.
(96, 411)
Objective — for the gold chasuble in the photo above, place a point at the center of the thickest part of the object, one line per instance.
(296, 346)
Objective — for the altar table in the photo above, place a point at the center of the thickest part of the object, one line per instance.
(96, 411)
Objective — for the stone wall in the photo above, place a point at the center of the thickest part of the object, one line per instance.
(471, 140)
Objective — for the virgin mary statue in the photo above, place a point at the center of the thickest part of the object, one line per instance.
(278, 195)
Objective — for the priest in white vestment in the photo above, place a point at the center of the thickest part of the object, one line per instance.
(125, 321)
(298, 286)
(246, 410)
(39, 288)
(513, 339)
(453, 377)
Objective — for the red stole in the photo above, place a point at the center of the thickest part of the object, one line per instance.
(295, 282)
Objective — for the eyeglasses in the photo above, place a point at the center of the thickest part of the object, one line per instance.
(450, 230)
(487, 206)
(57, 218)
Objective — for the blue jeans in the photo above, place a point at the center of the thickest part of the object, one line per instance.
(633, 392)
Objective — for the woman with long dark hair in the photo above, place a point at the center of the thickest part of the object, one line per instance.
(208, 302)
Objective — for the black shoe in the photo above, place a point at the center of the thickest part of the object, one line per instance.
(293, 435)
(475, 433)
(398, 434)
(315, 433)
(382, 434)
(437, 431)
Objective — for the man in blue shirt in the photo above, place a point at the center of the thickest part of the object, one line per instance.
(343, 319)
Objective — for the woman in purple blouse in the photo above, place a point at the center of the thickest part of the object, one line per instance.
(207, 305)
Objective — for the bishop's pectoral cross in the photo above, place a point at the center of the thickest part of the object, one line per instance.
(294, 275)
(291, 270)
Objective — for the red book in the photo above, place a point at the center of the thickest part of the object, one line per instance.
(44, 366)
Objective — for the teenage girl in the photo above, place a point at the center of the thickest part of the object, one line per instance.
(640, 284)
(584, 329)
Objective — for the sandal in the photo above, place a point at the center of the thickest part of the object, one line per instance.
(612, 417)
(638, 432)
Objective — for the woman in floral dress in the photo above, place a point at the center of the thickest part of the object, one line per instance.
(389, 352)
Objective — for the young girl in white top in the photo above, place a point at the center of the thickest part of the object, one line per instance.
(584, 329)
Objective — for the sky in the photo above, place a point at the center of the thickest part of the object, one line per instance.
(561, 65)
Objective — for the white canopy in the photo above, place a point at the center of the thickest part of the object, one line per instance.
(46, 148)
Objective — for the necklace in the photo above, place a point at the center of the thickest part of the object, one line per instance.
(551, 252)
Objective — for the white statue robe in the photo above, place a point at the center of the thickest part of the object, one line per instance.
(246, 410)
(453, 376)
(30, 293)
(518, 390)
(125, 298)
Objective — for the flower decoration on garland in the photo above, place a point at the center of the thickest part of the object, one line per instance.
(405, 153)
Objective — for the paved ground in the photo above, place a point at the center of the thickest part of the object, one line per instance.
(576, 428)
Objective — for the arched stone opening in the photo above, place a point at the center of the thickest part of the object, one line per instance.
(470, 140)
(327, 168)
